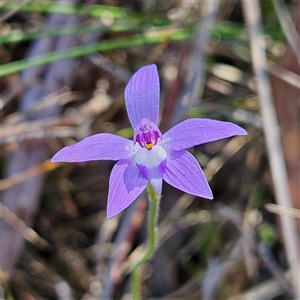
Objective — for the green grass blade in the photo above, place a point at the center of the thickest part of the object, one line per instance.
(106, 45)
(94, 10)
(15, 36)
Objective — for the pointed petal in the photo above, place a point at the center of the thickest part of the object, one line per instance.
(126, 183)
(102, 146)
(193, 132)
(142, 95)
(184, 173)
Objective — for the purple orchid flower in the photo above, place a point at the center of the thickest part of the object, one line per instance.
(151, 156)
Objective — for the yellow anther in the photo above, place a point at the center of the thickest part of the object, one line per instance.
(149, 145)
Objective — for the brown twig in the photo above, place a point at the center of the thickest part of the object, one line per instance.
(288, 27)
(29, 234)
(12, 12)
(282, 193)
(281, 210)
(266, 290)
(132, 221)
(23, 198)
(193, 90)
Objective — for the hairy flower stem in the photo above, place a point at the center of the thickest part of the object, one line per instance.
(154, 200)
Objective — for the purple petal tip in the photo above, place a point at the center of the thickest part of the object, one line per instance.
(142, 95)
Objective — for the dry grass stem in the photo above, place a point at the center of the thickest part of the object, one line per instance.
(272, 134)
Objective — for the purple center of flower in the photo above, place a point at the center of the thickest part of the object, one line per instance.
(151, 157)
(146, 133)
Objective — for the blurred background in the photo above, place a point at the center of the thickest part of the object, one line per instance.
(64, 67)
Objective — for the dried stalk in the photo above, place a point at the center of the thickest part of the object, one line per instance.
(23, 198)
(288, 27)
(252, 16)
(193, 90)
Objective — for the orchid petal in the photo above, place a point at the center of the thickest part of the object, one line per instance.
(101, 146)
(142, 95)
(193, 132)
(126, 183)
(184, 173)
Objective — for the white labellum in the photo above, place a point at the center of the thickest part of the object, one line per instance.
(151, 158)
